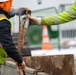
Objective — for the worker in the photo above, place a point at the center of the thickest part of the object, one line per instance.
(63, 17)
(5, 33)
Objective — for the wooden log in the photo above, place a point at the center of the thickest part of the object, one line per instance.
(53, 65)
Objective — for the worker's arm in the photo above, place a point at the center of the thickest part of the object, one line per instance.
(8, 45)
(65, 16)
(18, 12)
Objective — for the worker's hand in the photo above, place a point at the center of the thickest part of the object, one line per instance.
(12, 13)
(22, 11)
(34, 20)
(21, 66)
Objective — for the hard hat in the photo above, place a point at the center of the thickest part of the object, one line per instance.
(3, 0)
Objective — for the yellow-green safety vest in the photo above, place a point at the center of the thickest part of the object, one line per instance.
(2, 51)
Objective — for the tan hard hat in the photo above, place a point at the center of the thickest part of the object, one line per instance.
(3, 0)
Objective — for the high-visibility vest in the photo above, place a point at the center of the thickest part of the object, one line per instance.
(2, 17)
(3, 54)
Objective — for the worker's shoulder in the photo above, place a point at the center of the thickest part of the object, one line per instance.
(73, 8)
(4, 20)
(74, 4)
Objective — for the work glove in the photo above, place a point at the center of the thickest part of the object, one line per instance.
(12, 13)
(19, 12)
(22, 11)
(21, 66)
(33, 20)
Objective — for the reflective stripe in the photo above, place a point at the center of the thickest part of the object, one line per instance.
(2, 16)
(56, 21)
(72, 14)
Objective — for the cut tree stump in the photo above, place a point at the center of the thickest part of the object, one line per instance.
(50, 65)
(53, 65)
